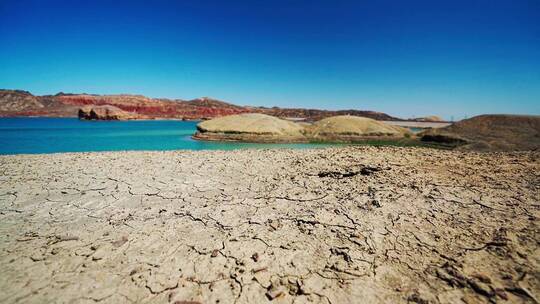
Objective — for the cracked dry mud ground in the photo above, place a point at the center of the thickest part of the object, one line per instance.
(339, 225)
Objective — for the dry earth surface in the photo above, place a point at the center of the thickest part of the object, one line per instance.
(338, 225)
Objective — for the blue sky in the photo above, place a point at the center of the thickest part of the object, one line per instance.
(406, 58)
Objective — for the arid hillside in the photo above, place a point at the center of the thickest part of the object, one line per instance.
(23, 103)
(490, 133)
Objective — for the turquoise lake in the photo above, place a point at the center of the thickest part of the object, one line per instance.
(51, 135)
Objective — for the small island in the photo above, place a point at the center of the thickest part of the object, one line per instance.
(265, 128)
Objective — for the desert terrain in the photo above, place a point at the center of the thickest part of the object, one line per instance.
(337, 225)
(18, 103)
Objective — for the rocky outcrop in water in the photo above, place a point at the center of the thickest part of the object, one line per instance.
(106, 113)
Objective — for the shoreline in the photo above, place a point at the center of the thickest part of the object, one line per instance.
(323, 146)
(272, 146)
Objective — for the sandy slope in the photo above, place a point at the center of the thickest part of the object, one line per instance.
(491, 132)
(341, 225)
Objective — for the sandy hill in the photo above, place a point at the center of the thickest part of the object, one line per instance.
(265, 128)
(490, 133)
(250, 127)
(353, 126)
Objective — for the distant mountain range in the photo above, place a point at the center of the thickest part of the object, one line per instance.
(22, 103)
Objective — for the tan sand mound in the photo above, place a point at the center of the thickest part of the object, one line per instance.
(250, 127)
(490, 133)
(351, 127)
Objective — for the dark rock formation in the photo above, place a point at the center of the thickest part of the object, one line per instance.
(447, 139)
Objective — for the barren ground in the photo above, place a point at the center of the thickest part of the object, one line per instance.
(340, 225)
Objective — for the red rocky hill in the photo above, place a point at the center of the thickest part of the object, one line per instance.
(22, 103)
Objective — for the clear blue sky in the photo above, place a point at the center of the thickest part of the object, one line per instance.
(406, 58)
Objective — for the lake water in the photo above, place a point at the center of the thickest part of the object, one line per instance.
(50, 135)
